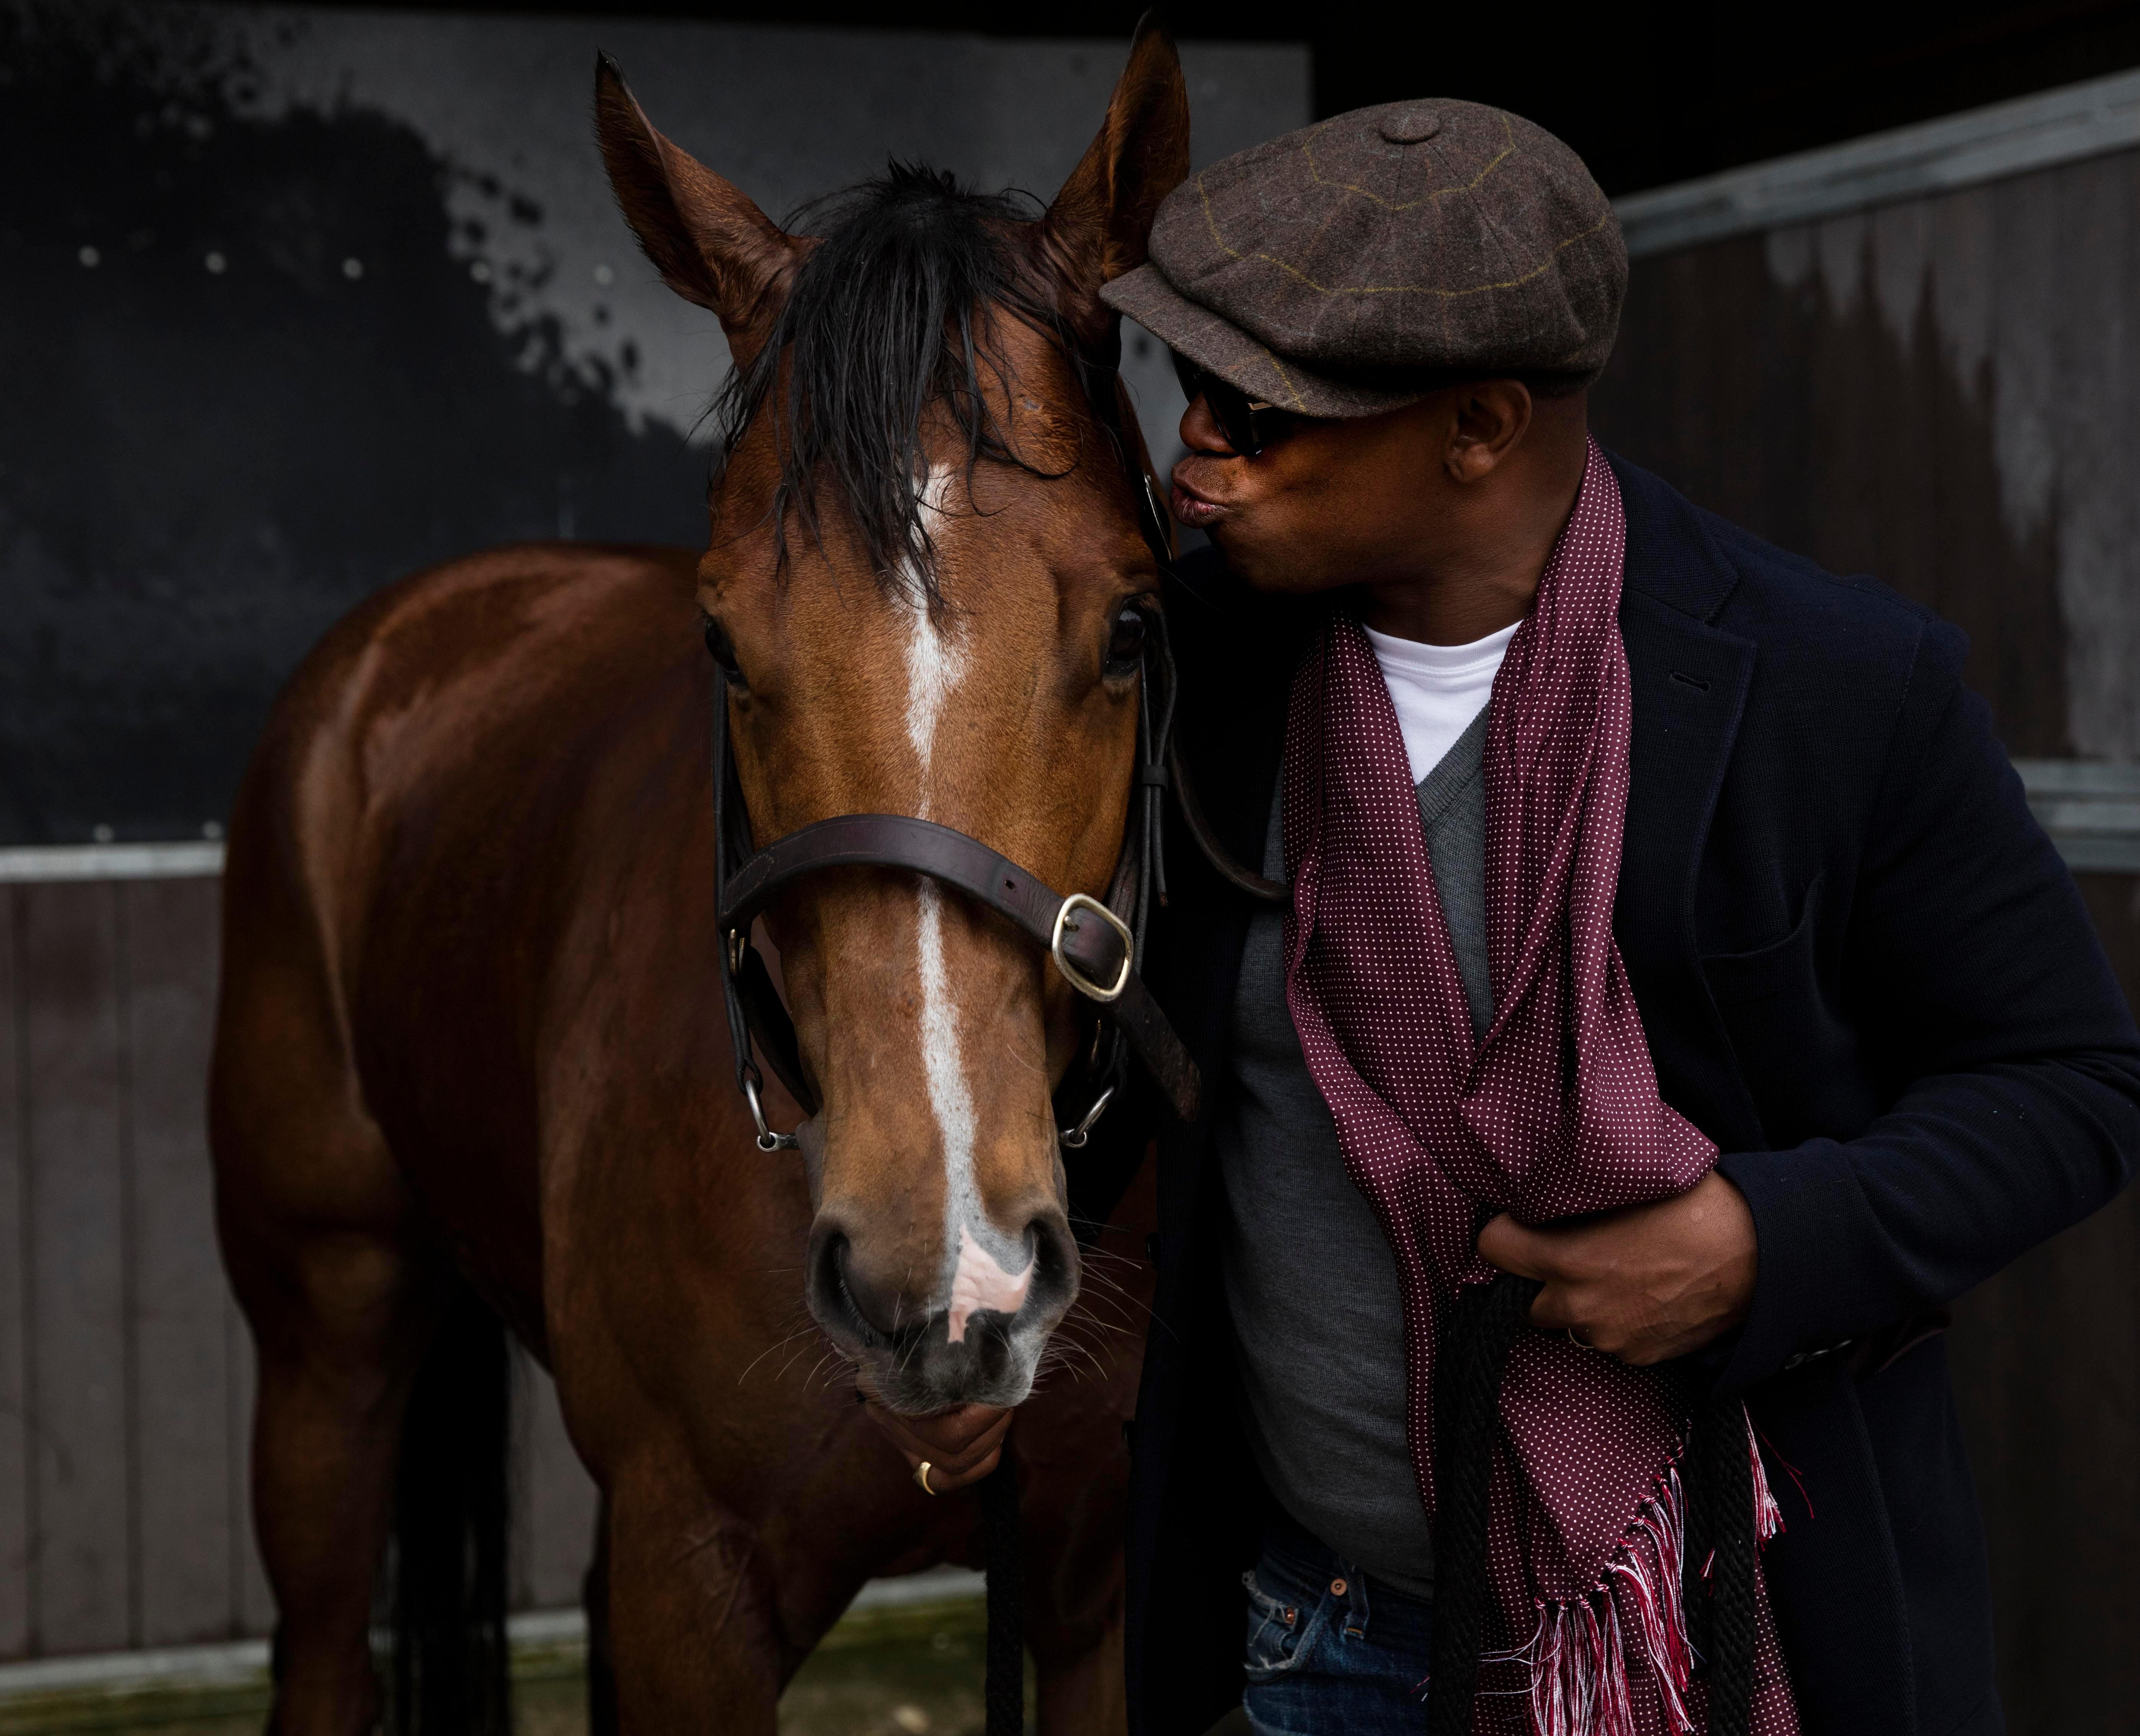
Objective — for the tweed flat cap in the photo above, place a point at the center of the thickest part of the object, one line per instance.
(1353, 266)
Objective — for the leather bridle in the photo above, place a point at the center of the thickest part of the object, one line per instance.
(1096, 944)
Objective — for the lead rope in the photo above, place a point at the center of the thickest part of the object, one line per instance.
(1717, 1587)
(1004, 1692)
(1482, 1324)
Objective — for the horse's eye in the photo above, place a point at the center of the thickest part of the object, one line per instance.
(722, 653)
(1125, 644)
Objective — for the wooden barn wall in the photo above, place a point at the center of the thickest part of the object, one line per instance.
(125, 1371)
(1946, 393)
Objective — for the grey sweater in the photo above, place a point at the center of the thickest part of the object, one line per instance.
(1310, 1280)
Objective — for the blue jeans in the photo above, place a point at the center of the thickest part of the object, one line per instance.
(1329, 1653)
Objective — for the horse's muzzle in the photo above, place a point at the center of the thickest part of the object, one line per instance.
(976, 1340)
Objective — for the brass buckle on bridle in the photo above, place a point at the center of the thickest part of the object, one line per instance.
(1077, 978)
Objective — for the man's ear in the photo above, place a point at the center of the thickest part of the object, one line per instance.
(1095, 229)
(710, 243)
(1492, 418)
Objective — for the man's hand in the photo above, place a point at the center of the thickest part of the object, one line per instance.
(1646, 1283)
(961, 1446)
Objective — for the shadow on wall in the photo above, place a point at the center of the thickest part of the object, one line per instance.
(1937, 393)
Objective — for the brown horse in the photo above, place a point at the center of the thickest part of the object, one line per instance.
(472, 1044)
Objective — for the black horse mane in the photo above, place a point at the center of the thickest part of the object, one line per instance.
(894, 310)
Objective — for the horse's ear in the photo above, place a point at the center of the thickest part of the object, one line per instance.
(710, 243)
(1095, 229)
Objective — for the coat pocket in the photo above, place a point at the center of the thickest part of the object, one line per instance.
(1800, 1059)
(1786, 966)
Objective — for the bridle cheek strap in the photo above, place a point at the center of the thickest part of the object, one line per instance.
(1091, 946)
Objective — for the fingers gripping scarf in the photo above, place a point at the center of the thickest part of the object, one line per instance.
(1581, 1621)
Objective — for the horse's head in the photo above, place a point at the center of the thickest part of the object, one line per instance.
(925, 581)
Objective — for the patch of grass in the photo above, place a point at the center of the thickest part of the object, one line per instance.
(217, 1711)
(914, 1670)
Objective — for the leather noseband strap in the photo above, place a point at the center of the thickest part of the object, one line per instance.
(1090, 945)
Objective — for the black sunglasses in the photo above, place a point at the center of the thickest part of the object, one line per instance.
(1250, 425)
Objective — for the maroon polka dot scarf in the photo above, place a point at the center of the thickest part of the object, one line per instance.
(1554, 1112)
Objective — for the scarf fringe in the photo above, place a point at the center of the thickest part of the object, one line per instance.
(1578, 1655)
(1768, 1515)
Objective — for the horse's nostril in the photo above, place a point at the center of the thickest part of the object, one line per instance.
(832, 1294)
(847, 1293)
(1054, 1257)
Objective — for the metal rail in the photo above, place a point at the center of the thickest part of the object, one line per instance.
(45, 862)
(2050, 127)
(2090, 809)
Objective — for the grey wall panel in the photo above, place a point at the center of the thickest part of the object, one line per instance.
(14, 1292)
(2033, 270)
(555, 1503)
(1945, 392)
(2046, 1361)
(2098, 381)
(181, 1420)
(255, 1601)
(82, 1550)
(2046, 1358)
(126, 1372)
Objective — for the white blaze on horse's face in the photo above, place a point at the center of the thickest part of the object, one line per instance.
(935, 658)
(974, 1279)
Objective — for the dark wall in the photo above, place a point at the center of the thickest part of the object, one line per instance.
(199, 469)
(293, 302)
(1650, 92)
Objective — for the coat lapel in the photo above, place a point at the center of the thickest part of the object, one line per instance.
(1689, 679)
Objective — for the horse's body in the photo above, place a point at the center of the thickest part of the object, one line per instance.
(472, 1040)
(473, 1019)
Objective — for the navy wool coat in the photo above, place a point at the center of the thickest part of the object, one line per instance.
(1864, 972)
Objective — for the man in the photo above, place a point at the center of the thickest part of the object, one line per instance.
(1672, 1005)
